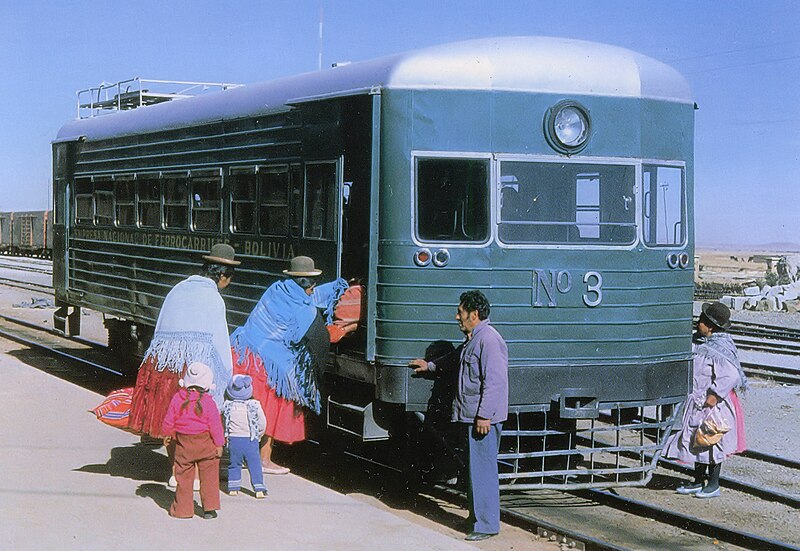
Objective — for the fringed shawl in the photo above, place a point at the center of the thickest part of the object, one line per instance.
(720, 345)
(192, 327)
(274, 331)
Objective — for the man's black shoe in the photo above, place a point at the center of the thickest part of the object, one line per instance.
(478, 536)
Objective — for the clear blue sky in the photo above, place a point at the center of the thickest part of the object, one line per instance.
(742, 60)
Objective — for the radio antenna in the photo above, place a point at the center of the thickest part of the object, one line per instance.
(319, 61)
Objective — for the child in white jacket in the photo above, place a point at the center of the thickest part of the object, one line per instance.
(245, 423)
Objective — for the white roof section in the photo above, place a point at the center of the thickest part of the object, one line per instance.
(519, 64)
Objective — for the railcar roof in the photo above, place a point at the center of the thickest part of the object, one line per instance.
(523, 64)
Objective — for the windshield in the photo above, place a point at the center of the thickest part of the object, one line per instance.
(565, 203)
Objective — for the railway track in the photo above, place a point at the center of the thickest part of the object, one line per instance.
(27, 265)
(779, 346)
(79, 361)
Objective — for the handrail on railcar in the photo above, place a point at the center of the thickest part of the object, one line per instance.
(138, 92)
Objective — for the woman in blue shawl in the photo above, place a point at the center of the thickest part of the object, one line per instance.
(283, 346)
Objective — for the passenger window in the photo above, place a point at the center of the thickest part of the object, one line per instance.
(84, 202)
(243, 202)
(320, 201)
(176, 206)
(125, 205)
(206, 204)
(664, 207)
(274, 202)
(149, 202)
(567, 203)
(104, 202)
(452, 200)
(296, 224)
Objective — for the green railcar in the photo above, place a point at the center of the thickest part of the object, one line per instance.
(554, 175)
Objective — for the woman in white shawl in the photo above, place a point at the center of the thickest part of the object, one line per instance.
(191, 327)
(717, 376)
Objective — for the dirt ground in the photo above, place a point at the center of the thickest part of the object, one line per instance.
(734, 266)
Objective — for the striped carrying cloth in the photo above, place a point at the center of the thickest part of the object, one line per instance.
(115, 409)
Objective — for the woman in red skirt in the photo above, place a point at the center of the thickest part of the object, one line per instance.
(191, 327)
(282, 346)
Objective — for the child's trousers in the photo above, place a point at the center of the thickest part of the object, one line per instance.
(242, 448)
(199, 450)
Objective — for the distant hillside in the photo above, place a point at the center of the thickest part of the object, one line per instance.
(771, 248)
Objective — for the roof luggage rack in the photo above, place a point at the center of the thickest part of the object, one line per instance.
(137, 92)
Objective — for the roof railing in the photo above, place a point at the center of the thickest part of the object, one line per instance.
(138, 92)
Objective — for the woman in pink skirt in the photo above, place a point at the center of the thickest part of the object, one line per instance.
(717, 378)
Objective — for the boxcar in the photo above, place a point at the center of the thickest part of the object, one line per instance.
(27, 233)
(554, 175)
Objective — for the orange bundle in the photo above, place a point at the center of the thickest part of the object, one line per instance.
(348, 313)
(115, 409)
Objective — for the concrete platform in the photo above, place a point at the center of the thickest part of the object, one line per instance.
(70, 482)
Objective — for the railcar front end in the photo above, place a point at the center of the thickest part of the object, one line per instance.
(567, 201)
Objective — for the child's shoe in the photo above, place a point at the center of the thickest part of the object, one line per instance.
(208, 515)
(233, 492)
(261, 494)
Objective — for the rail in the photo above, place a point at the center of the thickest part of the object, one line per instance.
(136, 92)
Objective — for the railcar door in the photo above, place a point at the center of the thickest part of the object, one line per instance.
(322, 215)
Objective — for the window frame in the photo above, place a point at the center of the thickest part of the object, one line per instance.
(685, 218)
(118, 181)
(263, 171)
(205, 176)
(106, 195)
(88, 220)
(168, 205)
(235, 172)
(141, 179)
(453, 155)
(635, 163)
(333, 199)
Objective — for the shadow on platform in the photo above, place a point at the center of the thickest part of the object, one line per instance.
(161, 496)
(136, 462)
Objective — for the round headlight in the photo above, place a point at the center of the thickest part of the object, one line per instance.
(567, 127)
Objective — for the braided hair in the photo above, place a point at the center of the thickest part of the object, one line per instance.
(198, 407)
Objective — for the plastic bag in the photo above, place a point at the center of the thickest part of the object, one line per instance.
(711, 429)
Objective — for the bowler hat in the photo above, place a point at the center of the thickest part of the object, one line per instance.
(240, 387)
(718, 314)
(221, 253)
(302, 266)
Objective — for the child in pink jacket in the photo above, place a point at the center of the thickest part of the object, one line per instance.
(193, 421)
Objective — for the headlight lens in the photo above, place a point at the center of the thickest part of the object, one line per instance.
(570, 126)
(567, 127)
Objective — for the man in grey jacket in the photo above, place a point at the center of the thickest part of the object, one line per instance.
(481, 406)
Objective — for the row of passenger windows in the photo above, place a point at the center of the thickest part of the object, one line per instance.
(274, 201)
